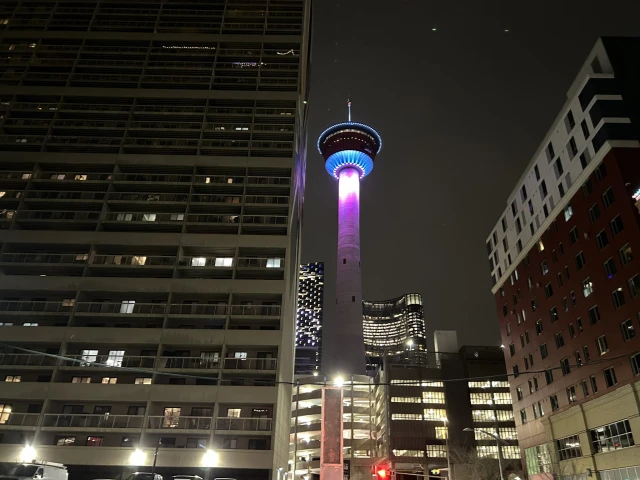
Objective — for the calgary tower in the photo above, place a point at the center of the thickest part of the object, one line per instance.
(349, 150)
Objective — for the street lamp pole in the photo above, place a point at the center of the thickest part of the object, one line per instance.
(446, 439)
(498, 440)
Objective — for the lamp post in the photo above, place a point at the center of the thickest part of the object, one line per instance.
(498, 440)
(446, 438)
(155, 456)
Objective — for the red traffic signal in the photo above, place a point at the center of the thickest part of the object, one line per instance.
(382, 473)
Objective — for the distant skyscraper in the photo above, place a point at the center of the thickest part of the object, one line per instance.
(393, 326)
(309, 318)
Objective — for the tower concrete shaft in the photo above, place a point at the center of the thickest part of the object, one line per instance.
(349, 279)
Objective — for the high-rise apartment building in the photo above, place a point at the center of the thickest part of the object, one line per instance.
(566, 280)
(309, 318)
(392, 327)
(151, 186)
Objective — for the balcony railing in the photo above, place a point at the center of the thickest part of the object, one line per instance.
(150, 177)
(250, 363)
(31, 307)
(198, 363)
(148, 197)
(21, 419)
(128, 361)
(20, 175)
(73, 176)
(179, 422)
(45, 258)
(197, 309)
(57, 195)
(150, 217)
(26, 360)
(244, 424)
(64, 420)
(219, 179)
(255, 310)
(122, 308)
(252, 262)
(268, 200)
(45, 215)
(135, 260)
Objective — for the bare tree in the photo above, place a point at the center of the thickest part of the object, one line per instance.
(467, 465)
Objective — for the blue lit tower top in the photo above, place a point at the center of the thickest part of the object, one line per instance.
(349, 144)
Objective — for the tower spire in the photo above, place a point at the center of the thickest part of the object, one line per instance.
(349, 108)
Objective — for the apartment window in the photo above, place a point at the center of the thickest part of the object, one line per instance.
(566, 272)
(508, 328)
(519, 394)
(553, 399)
(522, 341)
(626, 254)
(81, 380)
(148, 217)
(572, 331)
(571, 394)
(544, 267)
(608, 198)
(548, 290)
(534, 304)
(88, 356)
(600, 172)
(602, 240)
(232, 443)
(594, 384)
(526, 363)
(543, 350)
(432, 397)
(557, 167)
(516, 371)
(115, 358)
(610, 377)
(171, 417)
(564, 366)
(548, 376)
(13, 378)
(523, 416)
(612, 436)
(536, 171)
(601, 342)
(539, 328)
(559, 340)
(142, 381)
(554, 256)
(526, 336)
(587, 287)
(618, 297)
(545, 209)
(579, 324)
(273, 262)
(634, 285)
(109, 380)
(530, 386)
(569, 447)
(64, 440)
(68, 302)
(594, 315)
(504, 224)
(235, 412)
(585, 129)
(594, 213)
(127, 306)
(565, 304)
(616, 225)
(559, 278)
(224, 262)
(550, 152)
(569, 121)
(578, 358)
(580, 261)
(434, 413)
(505, 309)
(30, 324)
(535, 383)
(610, 268)
(436, 451)
(95, 441)
(573, 235)
(441, 434)
(543, 190)
(587, 357)
(568, 212)
(553, 314)
(628, 331)
(635, 364)
(585, 387)
(198, 261)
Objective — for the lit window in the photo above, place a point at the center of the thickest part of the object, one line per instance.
(442, 433)
(94, 441)
(81, 380)
(30, 324)
(148, 217)
(88, 356)
(127, 306)
(273, 263)
(109, 380)
(198, 261)
(64, 441)
(175, 216)
(138, 260)
(142, 381)
(434, 413)
(234, 412)
(242, 355)
(439, 451)
(224, 262)
(5, 412)
(406, 416)
(587, 287)
(115, 358)
(433, 397)
(568, 212)
(13, 378)
(80, 177)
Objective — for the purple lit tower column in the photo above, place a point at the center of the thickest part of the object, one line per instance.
(349, 150)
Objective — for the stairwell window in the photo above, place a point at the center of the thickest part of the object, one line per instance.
(603, 346)
(127, 306)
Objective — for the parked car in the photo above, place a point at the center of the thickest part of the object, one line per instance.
(37, 471)
(144, 476)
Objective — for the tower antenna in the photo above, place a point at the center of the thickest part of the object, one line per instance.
(349, 108)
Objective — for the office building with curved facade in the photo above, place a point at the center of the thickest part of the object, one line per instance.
(393, 326)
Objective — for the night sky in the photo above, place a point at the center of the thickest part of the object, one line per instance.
(461, 111)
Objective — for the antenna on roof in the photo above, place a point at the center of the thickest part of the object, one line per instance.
(349, 108)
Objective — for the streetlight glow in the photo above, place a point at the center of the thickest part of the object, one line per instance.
(338, 382)
(210, 459)
(137, 458)
(28, 454)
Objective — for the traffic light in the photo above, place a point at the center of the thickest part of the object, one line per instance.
(382, 473)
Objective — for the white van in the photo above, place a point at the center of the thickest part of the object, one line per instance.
(37, 471)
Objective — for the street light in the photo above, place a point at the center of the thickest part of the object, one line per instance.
(498, 440)
(446, 439)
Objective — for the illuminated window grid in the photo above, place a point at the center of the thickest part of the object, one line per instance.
(436, 451)
(405, 399)
(433, 397)
(434, 414)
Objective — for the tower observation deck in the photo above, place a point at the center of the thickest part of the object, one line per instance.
(349, 150)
